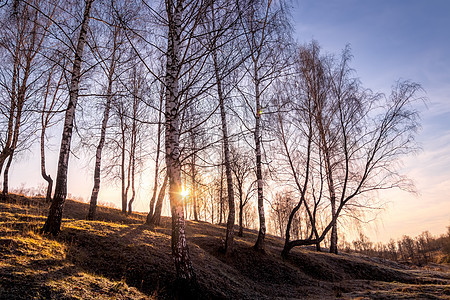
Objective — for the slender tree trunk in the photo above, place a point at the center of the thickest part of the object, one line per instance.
(158, 148)
(194, 191)
(133, 167)
(193, 194)
(16, 132)
(133, 145)
(18, 117)
(98, 158)
(185, 202)
(44, 174)
(133, 189)
(128, 185)
(229, 237)
(53, 223)
(180, 250)
(334, 237)
(221, 194)
(329, 173)
(5, 174)
(259, 245)
(241, 208)
(156, 218)
(45, 121)
(122, 166)
(101, 143)
(212, 209)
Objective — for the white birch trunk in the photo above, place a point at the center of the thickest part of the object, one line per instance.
(53, 222)
(259, 245)
(180, 251)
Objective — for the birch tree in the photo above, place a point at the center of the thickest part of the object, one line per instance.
(110, 72)
(25, 32)
(53, 223)
(180, 250)
(365, 133)
(264, 30)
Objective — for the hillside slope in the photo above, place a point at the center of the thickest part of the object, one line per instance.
(117, 257)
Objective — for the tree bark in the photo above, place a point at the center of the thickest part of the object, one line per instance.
(5, 175)
(180, 250)
(53, 222)
(259, 245)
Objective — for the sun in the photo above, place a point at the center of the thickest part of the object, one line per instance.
(184, 193)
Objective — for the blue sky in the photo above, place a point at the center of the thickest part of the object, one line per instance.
(391, 40)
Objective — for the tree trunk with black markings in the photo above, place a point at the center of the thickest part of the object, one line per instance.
(53, 223)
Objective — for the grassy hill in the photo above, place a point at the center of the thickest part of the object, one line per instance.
(117, 257)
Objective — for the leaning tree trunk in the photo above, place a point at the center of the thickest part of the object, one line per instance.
(101, 143)
(259, 245)
(229, 237)
(180, 250)
(5, 174)
(334, 237)
(156, 217)
(44, 174)
(98, 157)
(53, 223)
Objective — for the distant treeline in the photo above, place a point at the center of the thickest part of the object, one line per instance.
(420, 250)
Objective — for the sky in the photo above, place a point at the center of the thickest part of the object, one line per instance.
(390, 40)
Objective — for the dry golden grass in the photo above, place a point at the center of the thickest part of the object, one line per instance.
(117, 257)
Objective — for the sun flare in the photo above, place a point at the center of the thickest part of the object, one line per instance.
(184, 193)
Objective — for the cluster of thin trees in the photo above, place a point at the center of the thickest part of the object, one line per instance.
(213, 96)
(419, 250)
